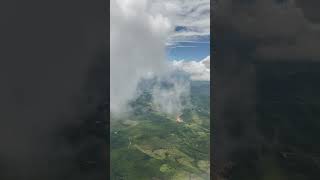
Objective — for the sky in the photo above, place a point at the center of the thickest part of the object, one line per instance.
(189, 50)
(156, 37)
(188, 41)
(189, 38)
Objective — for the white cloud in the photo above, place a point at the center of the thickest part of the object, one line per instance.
(140, 30)
(193, 15)
(178, 46)
(173, 97)
(137, 48)
(198, 70)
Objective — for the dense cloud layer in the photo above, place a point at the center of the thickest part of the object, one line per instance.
(140, 30)
(137, 49)
(198, 70)
(192, 16)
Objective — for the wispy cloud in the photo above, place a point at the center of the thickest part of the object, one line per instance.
(137, 49)
(172, 47)
(193, 16)
(198, 70)
(172, 97)
(140, 31)
(196, 42)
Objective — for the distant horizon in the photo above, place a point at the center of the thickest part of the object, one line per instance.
(195, 50)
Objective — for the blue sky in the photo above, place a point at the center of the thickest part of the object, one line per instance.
(189, 38)
(150, 26)
(194, 50)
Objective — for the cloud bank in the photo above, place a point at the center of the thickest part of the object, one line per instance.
(192, 16)
(140, 31)
(198, 70)
(137, 48)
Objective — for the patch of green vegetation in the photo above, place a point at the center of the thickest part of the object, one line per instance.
(165, 168)
(181, 175)
(204, 165)
(129, 122)
(152, 145)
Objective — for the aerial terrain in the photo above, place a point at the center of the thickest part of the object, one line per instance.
(152, 145)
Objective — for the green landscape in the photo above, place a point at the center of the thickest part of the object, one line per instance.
(152, 145)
